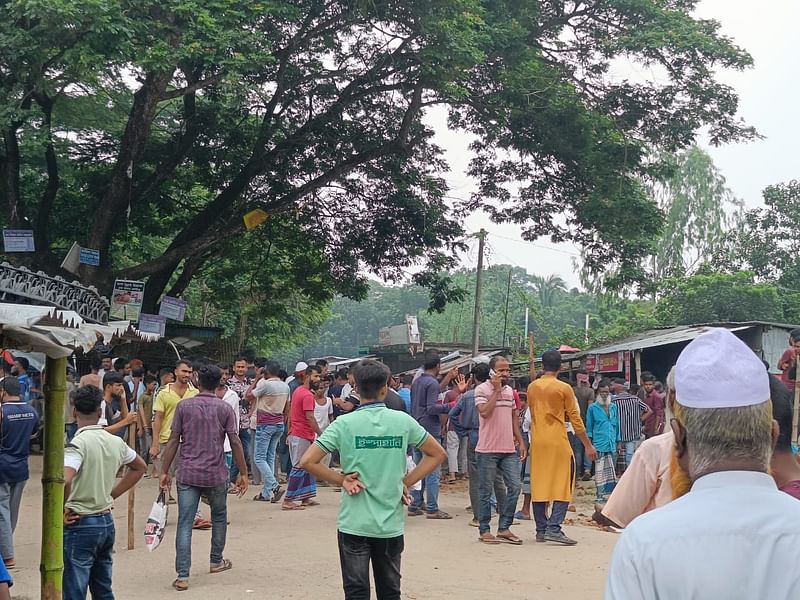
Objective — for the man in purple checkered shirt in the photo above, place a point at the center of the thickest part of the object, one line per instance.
(198, 433)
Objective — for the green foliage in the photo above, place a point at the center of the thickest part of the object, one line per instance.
(717, 297)
(699, 209)
(148, 129)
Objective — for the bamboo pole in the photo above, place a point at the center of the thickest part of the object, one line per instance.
(132, 491)
(796, 415)
(52, 558)
(638, 359)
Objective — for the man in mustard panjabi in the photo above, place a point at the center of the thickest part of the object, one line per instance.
(552, 460)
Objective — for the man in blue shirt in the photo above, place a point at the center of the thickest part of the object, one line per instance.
(20, 370)
(602, 427)
(18, 422)
(425, 408)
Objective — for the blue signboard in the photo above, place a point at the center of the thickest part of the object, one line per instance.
(90, 256)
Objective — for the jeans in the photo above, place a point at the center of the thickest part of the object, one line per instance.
(244, 436)
(70, 429)
(430, 488)
(10, 497)
(88, 545)
(355, 554)
(283, 454)
(489, 465)
(474, 481)
(267, 438)
(188, 501)
(552, 524)
(581, 462)
(630, 447)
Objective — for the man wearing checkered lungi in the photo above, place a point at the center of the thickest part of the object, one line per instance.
(602, 427)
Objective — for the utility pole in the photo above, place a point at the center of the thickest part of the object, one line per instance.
(476, 323)
(505, 315)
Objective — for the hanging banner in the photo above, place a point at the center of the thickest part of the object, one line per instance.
(604, 363)
(628, 366)
(414, 337)
(152, 324)
(18, 240)
(126, 299)
(172, 308)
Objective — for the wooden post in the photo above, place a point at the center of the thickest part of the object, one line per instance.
(52, 557)
(638, 360)
(796, 415)
(131, 492)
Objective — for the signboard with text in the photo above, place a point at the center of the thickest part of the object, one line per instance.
(173, 308)
(152, 324)
(126, 299)
(604, 363)
(90, 256)
(18, 240)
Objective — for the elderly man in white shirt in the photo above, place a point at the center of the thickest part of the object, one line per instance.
(734, 536)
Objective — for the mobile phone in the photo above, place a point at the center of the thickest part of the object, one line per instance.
(492, 373)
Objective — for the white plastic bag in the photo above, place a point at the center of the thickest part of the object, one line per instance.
(156, 523)
(410, 466)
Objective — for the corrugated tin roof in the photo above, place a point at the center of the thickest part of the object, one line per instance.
(657, 337)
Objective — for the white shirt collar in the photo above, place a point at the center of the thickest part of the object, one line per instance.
(734, 478)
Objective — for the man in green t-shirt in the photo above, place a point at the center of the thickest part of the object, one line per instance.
(372, 442)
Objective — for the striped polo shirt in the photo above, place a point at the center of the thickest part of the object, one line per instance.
(631, 409)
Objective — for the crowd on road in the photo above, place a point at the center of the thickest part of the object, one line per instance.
(710, 449)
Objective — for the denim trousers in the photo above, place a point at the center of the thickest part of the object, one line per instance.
(489, 465)
(188, 501)
(551, 524)
(630, 448)
(581, 460)
(88, 546)
(267, 438)
(355, 554)
(475, 483)
(244, 436)
(70, 429)
(10, 498)
(430, 489)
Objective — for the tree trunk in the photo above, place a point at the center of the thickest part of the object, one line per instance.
(9, 179)
(49, 196)
(52, 564)
(115, 201)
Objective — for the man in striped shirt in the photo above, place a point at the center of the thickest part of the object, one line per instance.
(632, 413)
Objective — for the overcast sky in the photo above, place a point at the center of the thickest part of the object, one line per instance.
(768, 100)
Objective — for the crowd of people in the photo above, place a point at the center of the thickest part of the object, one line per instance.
(207, 430)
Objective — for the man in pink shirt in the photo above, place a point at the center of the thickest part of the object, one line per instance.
(788, 362)
(498, 435)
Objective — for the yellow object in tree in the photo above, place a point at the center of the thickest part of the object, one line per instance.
(255, 218)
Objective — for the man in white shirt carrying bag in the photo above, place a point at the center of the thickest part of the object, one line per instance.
(734, 535)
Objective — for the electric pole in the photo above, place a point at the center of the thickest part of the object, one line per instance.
(476, 323)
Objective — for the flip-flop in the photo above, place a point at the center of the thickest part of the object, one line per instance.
(509, 539)
(310, 503)
(292, 507)
(521, 516)
(225, 565)
(181, 585)
(277, 495)
(489, 540)
(260, 498)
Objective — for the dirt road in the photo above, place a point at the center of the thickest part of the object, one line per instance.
(285, 555)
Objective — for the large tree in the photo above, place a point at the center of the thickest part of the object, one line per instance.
(165, 122)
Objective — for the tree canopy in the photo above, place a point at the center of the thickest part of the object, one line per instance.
(146, 130)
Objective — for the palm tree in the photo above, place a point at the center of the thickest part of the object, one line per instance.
(548, 288)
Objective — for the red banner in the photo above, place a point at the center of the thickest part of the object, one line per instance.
(628, 366)
(604, 363)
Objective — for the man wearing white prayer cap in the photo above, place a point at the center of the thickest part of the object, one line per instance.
(733, 536)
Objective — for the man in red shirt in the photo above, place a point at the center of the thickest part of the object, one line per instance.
(788, 362)
(654, 424)
(303, 430)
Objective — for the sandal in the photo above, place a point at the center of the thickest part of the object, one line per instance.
(310, 503)
(439, 514)
(488, 538)
(225, 565)
(181, 585)
(277, 494)
(260, 498)
(292, 507)
(509, 538)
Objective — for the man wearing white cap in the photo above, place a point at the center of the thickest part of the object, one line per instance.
(296, 380)
(733, 535)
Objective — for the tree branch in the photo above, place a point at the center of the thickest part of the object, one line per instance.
(191, 88)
